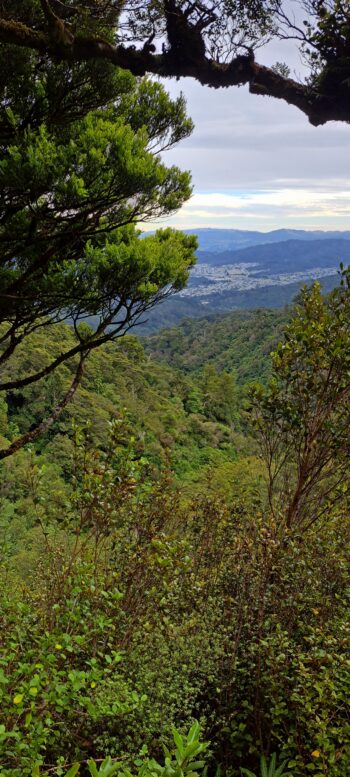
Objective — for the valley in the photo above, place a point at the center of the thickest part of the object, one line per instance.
(246, 270)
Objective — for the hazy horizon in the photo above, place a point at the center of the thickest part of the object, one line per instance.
(150, 227)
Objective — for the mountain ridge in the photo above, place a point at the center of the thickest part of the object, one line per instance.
(222, 239)
(331, 249)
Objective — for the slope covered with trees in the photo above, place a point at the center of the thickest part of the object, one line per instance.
(174, 542)
(135, 596)
(239, 341)
(174, 418)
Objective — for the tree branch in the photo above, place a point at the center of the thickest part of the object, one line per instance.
(243, 69)
(45, 425)
(18, 34)
(98, 339)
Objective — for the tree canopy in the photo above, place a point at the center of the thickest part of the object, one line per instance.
(302, 418)
(214, 43)
(80, 166)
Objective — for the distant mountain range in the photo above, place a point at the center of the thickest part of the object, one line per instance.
(288, 255)
(218, 240)
(245, 269)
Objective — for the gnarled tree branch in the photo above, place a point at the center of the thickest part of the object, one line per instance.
(185, 57)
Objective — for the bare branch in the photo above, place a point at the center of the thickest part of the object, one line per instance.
(48, 422)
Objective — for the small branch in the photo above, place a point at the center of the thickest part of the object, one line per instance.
(59, 35)
(48, 422)
(95, 342)
(97, 761)
(14, 341)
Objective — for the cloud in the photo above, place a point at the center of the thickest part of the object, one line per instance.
(310, 208)
(297, 197)
(258, 160)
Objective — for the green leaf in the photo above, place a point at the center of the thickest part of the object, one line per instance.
(272, 765)
(280, 771)
(92, 768)
(11, 117)
(73, 770)
(108, 768)
(193, 733)
(197, 764)
(263, 767)
(178, 741)
(193, 749)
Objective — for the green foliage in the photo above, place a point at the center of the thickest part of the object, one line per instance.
(268, 768)
(170, 414)
(154, 604)
(106, 151)
(179, 762)
(196, 599)
(220, 395)
(237, 343)
(302, 418)
(81, 164)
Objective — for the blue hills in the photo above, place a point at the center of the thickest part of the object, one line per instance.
(218, 240)
(242, 269)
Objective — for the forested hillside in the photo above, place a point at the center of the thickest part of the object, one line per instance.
(147, 538)
(174, 509)
(176, 419)
(240, 342)
(182, 394)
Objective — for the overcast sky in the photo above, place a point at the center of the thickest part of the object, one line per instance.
(257, 163)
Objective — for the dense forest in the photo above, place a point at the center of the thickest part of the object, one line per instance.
(151, 576)
(174, 508)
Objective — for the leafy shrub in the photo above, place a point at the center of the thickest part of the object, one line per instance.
(181, 761)
(268, 768)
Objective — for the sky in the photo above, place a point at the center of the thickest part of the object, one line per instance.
(257, 163)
